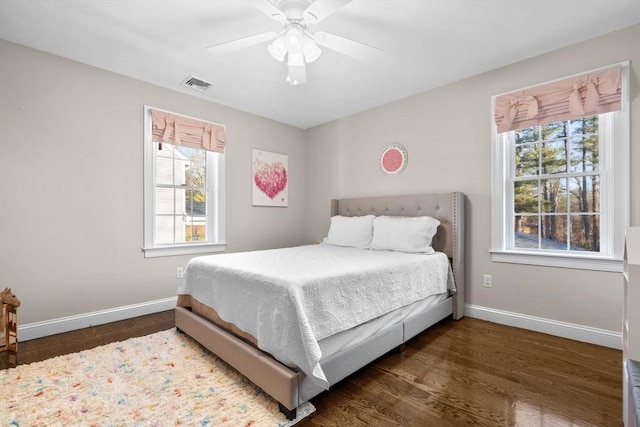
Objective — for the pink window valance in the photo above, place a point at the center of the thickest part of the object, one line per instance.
(597, 92)
(180, 130)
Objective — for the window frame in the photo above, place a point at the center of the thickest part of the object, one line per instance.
(614, 192)
(215, 205)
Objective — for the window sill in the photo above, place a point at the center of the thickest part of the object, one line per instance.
(176, 250)
(581, 262)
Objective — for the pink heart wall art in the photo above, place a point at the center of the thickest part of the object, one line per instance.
(270, 178)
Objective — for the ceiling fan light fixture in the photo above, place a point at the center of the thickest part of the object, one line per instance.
(297, 70)
(310, 50)
(294, 37)
(296, 74)
(291, 82)
(277, 49)
(295, 59)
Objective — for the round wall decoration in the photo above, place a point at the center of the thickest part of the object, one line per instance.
(393, 159)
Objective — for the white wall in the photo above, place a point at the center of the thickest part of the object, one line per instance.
(71, 185)
(447, 134)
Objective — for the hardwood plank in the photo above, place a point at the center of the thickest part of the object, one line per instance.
(467, 372)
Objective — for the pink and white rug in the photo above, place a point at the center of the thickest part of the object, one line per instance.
(163, 379)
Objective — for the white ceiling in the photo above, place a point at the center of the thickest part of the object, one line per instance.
(425, 44)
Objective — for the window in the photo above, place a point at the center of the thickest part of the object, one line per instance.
(556, 186)
(184, 187)
(560, 188)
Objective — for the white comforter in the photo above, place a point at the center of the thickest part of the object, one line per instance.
(291, 298)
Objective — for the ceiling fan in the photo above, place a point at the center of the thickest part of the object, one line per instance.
(295, 41)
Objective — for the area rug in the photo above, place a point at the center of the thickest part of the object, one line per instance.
(163, 379)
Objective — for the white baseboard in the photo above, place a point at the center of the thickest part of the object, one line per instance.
(553, 327)
(572, 331)
(71, 323)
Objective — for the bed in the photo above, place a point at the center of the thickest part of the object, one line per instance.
(295, 364)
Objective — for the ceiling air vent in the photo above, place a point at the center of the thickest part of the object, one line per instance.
(196, 84)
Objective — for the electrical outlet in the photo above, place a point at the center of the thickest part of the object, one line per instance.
(487, 281)
(179, 272)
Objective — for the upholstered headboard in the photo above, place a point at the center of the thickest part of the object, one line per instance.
(448, 208)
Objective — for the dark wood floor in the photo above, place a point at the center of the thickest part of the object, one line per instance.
(468, 372)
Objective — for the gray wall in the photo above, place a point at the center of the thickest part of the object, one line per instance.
(447, 134)
(71, 194)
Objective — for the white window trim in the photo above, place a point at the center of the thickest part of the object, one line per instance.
(215, 203)
(614, 198)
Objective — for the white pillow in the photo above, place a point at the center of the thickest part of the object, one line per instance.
(353, 231)
(404, 234)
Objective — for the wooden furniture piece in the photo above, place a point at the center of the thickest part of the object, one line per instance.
(631, 329)
(9, 344)
(290, 387)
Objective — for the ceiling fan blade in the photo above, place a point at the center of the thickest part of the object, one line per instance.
(266, 7)
(346, 46)
(238, 44)
(320, 9)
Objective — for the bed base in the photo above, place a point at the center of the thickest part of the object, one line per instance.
(291, 388)
(276, 379)
(291, 414)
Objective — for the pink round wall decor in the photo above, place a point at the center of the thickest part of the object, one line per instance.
(393, 159)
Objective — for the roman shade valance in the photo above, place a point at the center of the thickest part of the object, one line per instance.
(180, 130)
(596, 92)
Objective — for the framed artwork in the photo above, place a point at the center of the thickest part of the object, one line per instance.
(393, 159)
(270, 177)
